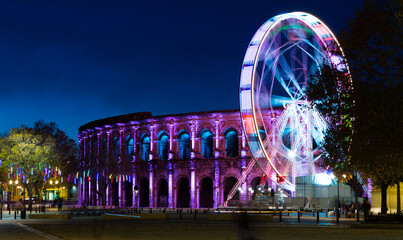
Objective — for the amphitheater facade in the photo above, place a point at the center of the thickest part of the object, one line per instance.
(180, 160)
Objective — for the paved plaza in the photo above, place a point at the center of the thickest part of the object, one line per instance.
(187, 227)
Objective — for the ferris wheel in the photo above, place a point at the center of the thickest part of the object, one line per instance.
(283, 131)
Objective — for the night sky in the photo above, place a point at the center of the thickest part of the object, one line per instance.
(72, 62)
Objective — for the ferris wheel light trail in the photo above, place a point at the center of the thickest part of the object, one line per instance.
(282, 55)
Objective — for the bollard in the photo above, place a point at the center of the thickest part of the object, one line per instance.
(313, 213)
(337, 216)
(358, 216)
(151, 210)
(195, 214)
(281, 216)
(299, 217)
(317, 217)
(180, 214)
(15, 214)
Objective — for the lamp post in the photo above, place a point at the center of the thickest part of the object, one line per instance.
(53, 189)
(136, 190)
(338, 203)
(57, 182)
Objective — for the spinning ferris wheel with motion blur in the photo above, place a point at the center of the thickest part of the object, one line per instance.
(284, 132)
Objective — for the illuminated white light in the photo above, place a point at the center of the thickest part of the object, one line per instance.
(291, 154)
(323, 179)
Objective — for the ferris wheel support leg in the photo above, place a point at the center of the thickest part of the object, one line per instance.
(241, 180)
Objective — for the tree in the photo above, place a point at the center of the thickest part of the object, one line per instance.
(35, 155)
(373, 48)
(25, 153)
(66, 151)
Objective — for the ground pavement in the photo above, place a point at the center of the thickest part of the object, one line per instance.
(94, 227)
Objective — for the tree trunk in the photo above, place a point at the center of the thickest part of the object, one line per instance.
(384, 188)
(29, 189)
(398, 197)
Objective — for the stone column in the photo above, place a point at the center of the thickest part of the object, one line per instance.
(216, 184)
(217, 139)
(170, 184)
(151, 191)
(192, 185)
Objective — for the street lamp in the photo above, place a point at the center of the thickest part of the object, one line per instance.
(57, 182)
(53, 189)
(136, 190)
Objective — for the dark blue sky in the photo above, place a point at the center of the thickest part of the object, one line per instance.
(72, 62)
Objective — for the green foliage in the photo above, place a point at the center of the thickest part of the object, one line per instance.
(25, 148)
(365, 135)
(330, 91)
(30, 150)
(373, 46)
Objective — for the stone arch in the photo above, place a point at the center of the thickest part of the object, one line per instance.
(94, 147)
(231, 126)
(206, 192)
(254, 184)
(183, 192)
(145, 146)
(184, 144)
(184, 126)
(228, 183)
(231, 142)
(104, 147)
(163, 145)
(144, 192)
(115, 149)
(205, 126)
(129, 147)
(206, 143)
(162, 192)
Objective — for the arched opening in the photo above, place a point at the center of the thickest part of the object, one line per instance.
(183, 193)
(231, 143)
(184, 145)
(145, 147)
(115, 149)
(130, 148)
(128, 193)
(229, 183)
(115, 193)
(207, 143)
(206, 193)
(254, 186)
(144, 191)
(94, 149)
(162, 195)
(163, 145)
(104, 149)
(87, 150)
